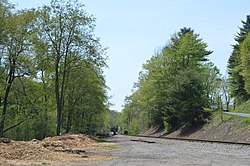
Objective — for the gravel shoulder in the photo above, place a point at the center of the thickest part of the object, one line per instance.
(169, 152)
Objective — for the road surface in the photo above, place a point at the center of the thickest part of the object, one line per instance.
(238, 114)
(171, 153)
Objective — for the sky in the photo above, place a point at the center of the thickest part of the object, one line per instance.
(134, 29)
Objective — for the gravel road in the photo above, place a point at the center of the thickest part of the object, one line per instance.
(171, 153)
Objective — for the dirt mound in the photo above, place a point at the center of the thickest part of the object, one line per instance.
(24, 150)
(64, 148)
(68, 142)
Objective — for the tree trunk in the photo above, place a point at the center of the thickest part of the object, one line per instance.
(69, 121)
(58, 100)
(5, 101)
(45, 115)
(44, 134)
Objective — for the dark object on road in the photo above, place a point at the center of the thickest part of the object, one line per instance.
(102, 135)
(126, 132)
(225, 110)
(141, 140)
(114, 130)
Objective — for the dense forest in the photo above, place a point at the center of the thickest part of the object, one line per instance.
(51, 72)
(179, 87)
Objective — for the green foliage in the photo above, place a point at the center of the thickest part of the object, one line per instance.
(51, 68)
(174, 86)
(245, 61)
(187, 99)
(244, 107)
(237, 82)
(247, 120)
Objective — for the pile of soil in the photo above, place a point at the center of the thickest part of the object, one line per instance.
(68, 142)
(24, 150)
(65, 148)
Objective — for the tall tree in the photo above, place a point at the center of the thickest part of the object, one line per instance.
(15, 52)
(173, 89)
(68, 31)
(237, 83)
(245, 61)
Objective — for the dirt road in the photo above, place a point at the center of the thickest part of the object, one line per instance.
(171, 152)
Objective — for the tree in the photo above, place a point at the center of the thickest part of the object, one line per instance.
(68, 31)
(245, 61)
(225, 91)
(237, 84)
(85, 100)
(173, 88)
(50, 71)
(15, 55)
(187, 98)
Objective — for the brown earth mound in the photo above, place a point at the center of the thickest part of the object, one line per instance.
(65, 148)
(68, 142)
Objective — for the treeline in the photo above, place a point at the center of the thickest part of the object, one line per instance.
(239, 65)
(51, 72)
(178, 87)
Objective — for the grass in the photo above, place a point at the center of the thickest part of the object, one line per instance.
(97, 139)
(100, 140)
(244, 107)
(247, 120)
(217, 117)
(108, 146)
(104, 144)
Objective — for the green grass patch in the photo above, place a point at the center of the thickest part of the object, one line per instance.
(244, 107)
(218, 117)
(100, 140)
(107, 146)
(97, 139)
(247, 120)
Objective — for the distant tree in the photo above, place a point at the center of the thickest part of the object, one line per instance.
(211, 76)
(225, 91)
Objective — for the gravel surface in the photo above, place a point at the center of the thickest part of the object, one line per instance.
(171, 152)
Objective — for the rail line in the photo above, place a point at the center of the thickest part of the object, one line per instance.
(192, 140)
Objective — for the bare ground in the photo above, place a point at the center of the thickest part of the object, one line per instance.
(52, 150)
(164, 152)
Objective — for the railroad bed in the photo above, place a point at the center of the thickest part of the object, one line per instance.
(198, 140)
(143, 151)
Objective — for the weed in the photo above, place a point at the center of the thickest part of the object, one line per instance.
(108, 146)
(247, 120)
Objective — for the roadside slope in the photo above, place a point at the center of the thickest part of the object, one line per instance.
(232, 128)
(221, 127)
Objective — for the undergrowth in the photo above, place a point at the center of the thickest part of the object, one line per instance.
(244, 107)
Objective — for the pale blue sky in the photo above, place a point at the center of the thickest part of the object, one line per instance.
(134, 29)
